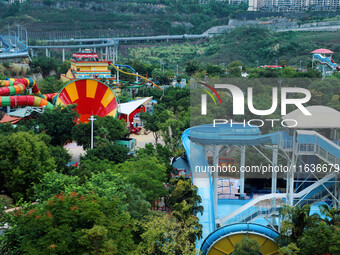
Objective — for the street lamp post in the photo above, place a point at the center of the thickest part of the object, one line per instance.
(92, 118)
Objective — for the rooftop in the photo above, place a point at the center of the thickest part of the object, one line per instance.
(323, 51)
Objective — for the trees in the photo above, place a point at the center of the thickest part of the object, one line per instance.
(309, 234)
(44, 65)
(192, 67)
(235, 68)
(294, 221)
(317, 239)
(112, 186)
(124, 97)
(213, 70)
(24, 159)
(247, 246)
(70, 224)
(290, 249)
(57, 123)
(181, 190)
(63, 67)
(53, 183)
(163, 77)
(162, 234)
(109, 151)
(147, 174)
(50, 85)
(332, 214)
(162, 153)
(151, 123)
(105, 129)
(61, 157)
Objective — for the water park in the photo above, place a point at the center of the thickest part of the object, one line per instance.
(234, 206)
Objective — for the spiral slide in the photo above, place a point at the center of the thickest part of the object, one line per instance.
(134, 74)
(11, 87)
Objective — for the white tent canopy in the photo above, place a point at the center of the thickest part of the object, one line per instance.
(322, 117)
(128, 108)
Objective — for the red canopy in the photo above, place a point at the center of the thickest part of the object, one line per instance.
(322, 51)
(10, 119)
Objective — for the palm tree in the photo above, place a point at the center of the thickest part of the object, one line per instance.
(332, 214)
(295, 220)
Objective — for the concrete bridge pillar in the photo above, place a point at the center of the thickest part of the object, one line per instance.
(113, 55)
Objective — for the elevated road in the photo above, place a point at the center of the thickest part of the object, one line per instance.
(103, 42)
(12, 48)
(65, 43)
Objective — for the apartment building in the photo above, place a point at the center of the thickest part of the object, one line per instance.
(293, 5)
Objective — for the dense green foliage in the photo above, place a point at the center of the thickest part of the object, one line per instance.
(104, 129)
(247, 247)
(24, 159)
(57, 123)
(309, 234)
(119, 17)
(71, 224)
(247, 44)
(106, 181)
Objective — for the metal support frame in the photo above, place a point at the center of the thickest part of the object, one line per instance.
(242, 173)
(216, 150)
(290, 174)
(274, 179)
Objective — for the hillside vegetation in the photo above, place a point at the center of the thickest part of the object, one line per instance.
(112, 18)
(247, 44)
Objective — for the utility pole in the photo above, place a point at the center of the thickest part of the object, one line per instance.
(92, 118)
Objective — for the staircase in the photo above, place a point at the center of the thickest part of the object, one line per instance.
(308, 143)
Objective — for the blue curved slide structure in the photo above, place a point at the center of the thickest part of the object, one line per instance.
(325, 60)
(127, 66)
(223, 240)
(193, 139)
(203, 182)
